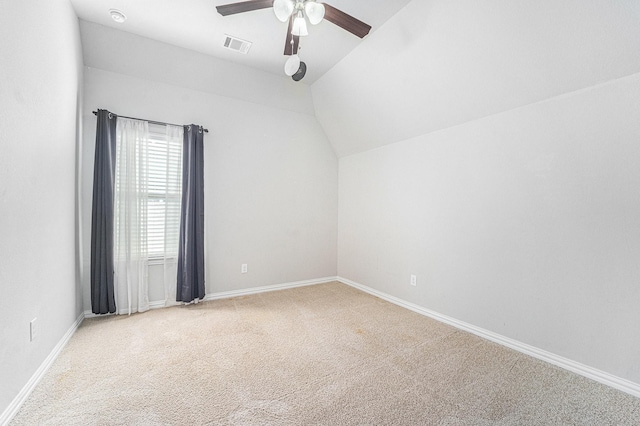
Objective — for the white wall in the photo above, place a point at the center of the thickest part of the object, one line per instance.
(125, 53)
(470, 156)
(40, 79)
(270, 180)
(439, 63)
(525, 223)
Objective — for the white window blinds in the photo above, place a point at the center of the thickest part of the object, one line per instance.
(151, 177)
(165, 190)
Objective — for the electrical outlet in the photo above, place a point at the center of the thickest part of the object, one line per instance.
(414, 280)
(243, 269)
(32, 330)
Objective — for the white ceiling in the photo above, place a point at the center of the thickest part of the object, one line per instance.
(425, 66)
(196, 25)
(450, 62)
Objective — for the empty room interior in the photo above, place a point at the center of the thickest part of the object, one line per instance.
(423, 212)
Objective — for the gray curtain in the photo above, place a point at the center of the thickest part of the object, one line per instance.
(102, 296)
(191, 249)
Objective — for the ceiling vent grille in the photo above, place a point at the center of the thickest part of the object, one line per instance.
(236, 44)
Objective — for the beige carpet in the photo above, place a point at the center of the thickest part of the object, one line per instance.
(325, 354)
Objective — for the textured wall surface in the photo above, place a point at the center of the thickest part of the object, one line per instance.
(271, 181)
(524, 223)
(40, 83)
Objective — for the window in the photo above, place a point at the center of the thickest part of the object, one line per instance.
(148, 190)
(165, 193)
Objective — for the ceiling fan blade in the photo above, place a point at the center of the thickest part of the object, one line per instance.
(244, 6)
(348, 22)
(296, 40)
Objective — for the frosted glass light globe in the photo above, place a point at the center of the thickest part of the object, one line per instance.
(292, 65)
(299, 26)
(314, 11)
(283, 9)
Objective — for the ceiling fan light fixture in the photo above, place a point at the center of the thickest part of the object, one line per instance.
(299, 26)
(314, 11)
(292, 65)
(300, 73)
(283, 9)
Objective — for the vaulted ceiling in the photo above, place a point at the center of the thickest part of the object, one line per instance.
(425, 66)
(440, 63)
(196, 25)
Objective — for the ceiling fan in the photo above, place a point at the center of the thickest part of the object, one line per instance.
(295, 12)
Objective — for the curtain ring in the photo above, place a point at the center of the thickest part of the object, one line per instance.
(189, 129)
(110, 116)
(199, 129)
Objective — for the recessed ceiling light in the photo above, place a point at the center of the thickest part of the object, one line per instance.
(117, 16)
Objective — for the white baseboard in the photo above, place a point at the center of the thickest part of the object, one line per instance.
(17, 402)
(26, 390)
(158, 304)
(576, 367)
(233, 293)
(562, 362)
(263, 289)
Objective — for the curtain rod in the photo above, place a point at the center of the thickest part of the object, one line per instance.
(151, 121)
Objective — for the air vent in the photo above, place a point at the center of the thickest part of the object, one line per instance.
(234, 43)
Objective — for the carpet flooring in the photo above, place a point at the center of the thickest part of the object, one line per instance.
(326, 354)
